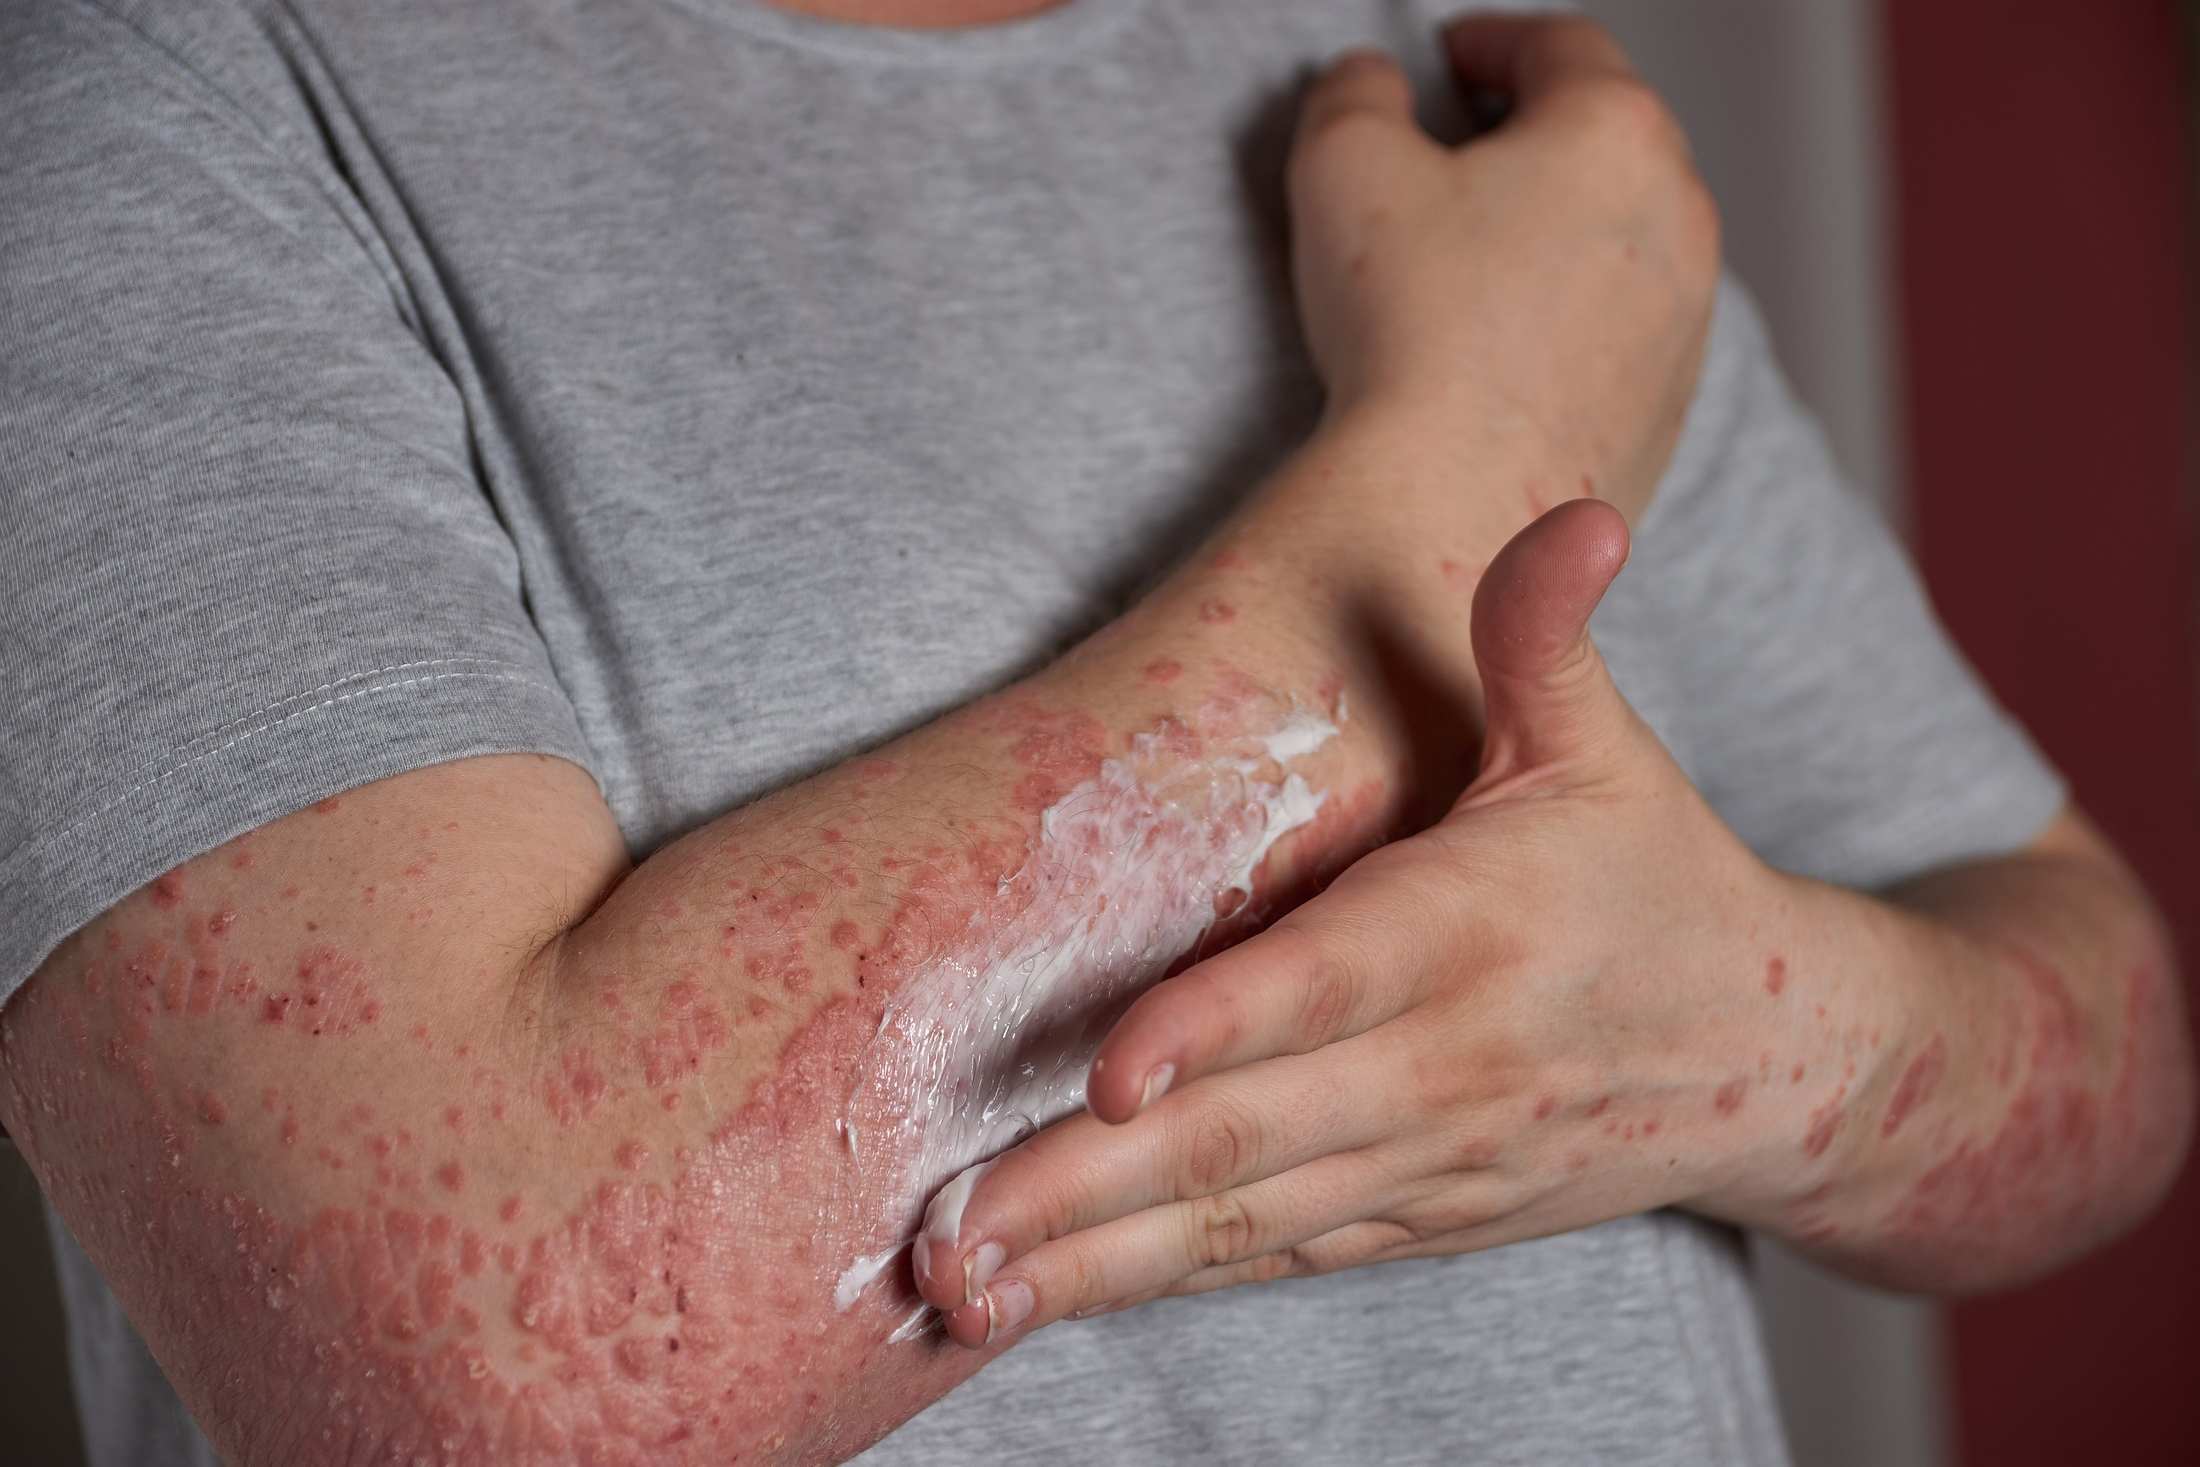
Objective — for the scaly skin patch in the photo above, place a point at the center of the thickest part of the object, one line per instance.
(603, 1219)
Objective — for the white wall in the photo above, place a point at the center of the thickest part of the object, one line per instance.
(1783, 103)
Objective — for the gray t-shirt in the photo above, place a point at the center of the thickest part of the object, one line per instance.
(705, 394)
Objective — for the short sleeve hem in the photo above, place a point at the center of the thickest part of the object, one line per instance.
(379, 722)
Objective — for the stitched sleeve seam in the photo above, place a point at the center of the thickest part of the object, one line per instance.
(251, 730)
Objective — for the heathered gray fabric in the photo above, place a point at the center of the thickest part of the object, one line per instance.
(704, 394)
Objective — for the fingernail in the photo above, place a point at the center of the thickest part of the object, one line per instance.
(1006, 1307)
(979, 1270)
(1157, 1084)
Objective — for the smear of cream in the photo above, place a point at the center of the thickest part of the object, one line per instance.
(995, 1039)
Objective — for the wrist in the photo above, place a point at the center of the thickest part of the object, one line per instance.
(1852, 1038)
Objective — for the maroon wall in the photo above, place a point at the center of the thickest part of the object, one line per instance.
(2042, 181)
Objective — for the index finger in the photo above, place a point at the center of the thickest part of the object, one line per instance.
(1353, 957)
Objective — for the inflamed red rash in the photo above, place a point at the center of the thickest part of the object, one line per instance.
(670, 1299)
(1920, 1077)
(1007, 984)
(666, 1314)
(2060, 1128)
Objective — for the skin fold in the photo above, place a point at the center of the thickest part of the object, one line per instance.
(421, 1125)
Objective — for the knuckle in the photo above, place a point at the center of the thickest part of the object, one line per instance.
(1055, 1202)
(1573, 35)
(1364, 66)
(1064, 1207)
(1222, 1231)
(1441, 1085)
(1213, 1003)
(1223, 1146)
(1338, 138)
(1309, 1260)
(1325, 1002)
(1627, 113)
(1086, 1281)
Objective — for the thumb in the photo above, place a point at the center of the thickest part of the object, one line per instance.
(1548, 694)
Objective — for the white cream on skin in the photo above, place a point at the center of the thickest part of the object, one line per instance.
(995, 1039)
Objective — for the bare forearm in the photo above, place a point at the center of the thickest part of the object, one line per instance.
(328, 1098)
(1988, 1072)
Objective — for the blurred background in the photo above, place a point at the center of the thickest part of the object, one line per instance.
(1970, 227)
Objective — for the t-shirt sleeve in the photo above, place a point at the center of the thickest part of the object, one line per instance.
(1829, 718)
(245, 559)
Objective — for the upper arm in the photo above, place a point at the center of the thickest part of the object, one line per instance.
(245, 565)
(245, 562)
(281, 1094)
(1824, 710)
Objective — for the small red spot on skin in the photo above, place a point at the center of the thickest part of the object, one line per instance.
(831, 836)
(328, 806)
(455, 1118)
(451, 1177)
(1824, 1122)
(1545, 1106)
(1776, 977)
(1650, 1128)
(168, 890)
(1728, 1098)
(1601, 1105)
(1227, 560)
(508, 1209)
(1916, 1086)
(221, 922)
(211, 1109)
(1163, 671)
(275, 1009)
(1456, 574)
(1588, 481)
(1795, 1076)
(1215, 613)
(242, 861)
(631, 1155)
(844, 935)
(290, 1130)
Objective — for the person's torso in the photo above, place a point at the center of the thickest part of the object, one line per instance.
(826, 379)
